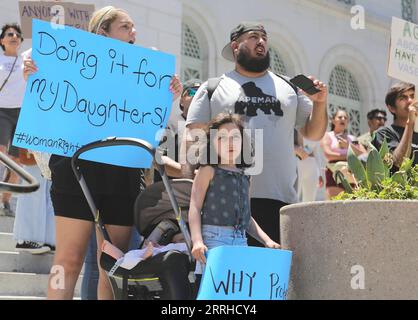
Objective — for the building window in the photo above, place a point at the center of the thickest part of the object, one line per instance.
(276, 62)
(408, 10)
(345, 94)
(193, 59)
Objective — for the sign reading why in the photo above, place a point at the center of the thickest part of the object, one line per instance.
(403, 55)
(245, 273)
(90, 87)
(71, 14)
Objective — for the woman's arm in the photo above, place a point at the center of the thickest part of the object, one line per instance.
(301, 153)
(200, 186)
(176, 87)
(172, 168)
(29, 67)
(257, 233)
(358, 148)
(329, 154)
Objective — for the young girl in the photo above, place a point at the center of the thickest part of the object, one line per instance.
(219, 211)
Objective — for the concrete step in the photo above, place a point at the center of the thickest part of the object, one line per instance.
(6, 224)
(28, 298)
(7, 243)
(22, 285)
(21, 298)
(11, 261)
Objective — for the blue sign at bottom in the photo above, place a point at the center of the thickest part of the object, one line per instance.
(246, 273)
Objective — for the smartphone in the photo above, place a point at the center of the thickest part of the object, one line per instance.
(303, 82)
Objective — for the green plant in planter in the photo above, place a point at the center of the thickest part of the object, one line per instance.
(375, 180)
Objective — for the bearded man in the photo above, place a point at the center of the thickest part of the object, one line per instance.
(268, 102)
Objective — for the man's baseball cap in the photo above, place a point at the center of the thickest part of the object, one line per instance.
(242, 28)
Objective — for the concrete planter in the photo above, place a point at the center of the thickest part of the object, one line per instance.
(341, 247)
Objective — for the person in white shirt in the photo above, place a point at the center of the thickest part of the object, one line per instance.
(310, 166)
(12, 88)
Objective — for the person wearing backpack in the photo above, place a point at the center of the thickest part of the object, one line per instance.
(265, 101)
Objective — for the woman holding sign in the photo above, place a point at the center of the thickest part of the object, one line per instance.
(113, 188)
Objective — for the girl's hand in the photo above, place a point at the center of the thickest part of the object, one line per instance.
(198, 251)
(176, 87)
(272, 245)
(29, 68)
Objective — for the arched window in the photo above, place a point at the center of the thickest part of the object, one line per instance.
(344, 94)
(409, 10)
(193, 56)
(276, 62)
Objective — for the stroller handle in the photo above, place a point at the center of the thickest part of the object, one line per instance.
(114, 141)
(109, 142)
(9, 187)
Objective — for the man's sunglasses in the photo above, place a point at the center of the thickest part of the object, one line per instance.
(11, 34)
(380, 118)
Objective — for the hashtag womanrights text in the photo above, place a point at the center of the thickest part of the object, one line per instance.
(59, 144)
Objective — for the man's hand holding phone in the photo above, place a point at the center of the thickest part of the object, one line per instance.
(316, 90)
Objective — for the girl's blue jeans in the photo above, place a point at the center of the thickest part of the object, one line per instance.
(215, 236)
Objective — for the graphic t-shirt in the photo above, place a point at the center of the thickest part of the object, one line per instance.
(393, 136)
(268, 103)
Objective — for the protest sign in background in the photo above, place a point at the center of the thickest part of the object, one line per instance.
(90, 87)
(403, 54)
(71, 14)
(245, 273)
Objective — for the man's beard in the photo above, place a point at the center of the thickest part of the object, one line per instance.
(253, 64)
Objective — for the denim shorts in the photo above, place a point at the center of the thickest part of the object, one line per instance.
(216, 236)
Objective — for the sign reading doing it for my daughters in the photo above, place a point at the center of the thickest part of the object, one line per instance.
(89, 87)
(245, 273)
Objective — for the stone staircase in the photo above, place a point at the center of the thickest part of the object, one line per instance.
(22, 275)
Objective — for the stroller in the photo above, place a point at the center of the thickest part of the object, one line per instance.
(15, 188)
(160, 213)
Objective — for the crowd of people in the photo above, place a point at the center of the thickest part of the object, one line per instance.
(297, 159)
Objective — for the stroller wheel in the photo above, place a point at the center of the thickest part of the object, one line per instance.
(138, 292)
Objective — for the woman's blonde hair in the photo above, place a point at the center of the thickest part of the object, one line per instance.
(103, 18)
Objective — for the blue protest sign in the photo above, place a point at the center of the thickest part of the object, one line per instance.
(90, 87)
(245, 273)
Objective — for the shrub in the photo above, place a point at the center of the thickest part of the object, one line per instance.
(375, 180)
